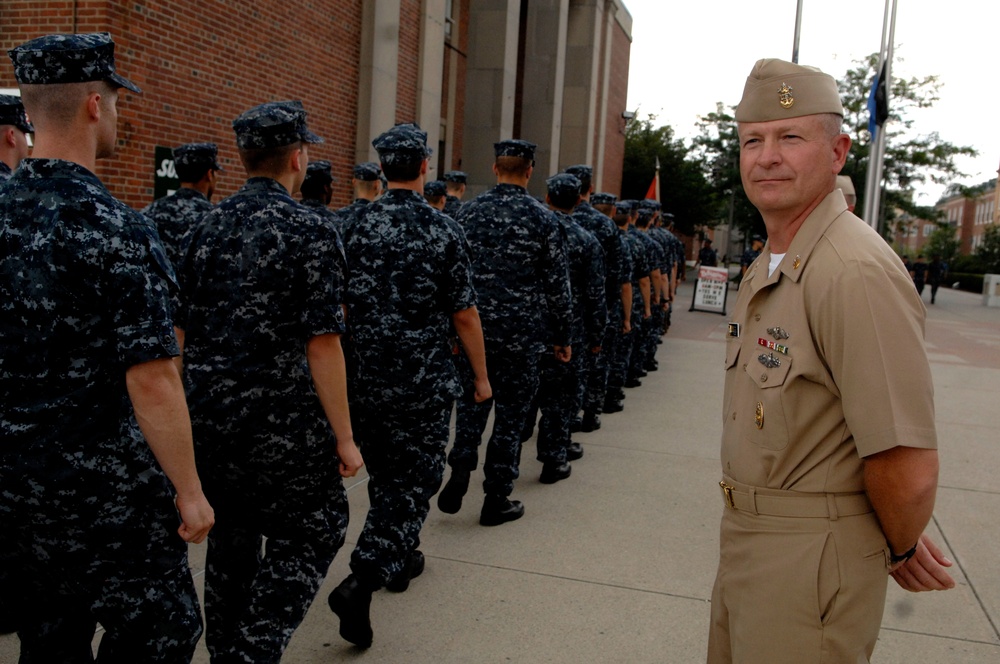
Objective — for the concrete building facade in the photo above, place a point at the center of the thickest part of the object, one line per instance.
(470, 72)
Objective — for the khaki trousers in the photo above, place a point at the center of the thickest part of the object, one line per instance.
(794, 590)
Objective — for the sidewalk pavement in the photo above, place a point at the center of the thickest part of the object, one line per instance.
(616, 564)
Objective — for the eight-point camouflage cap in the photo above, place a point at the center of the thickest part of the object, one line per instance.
(68, 58)
(273, 125)
(562, 185)
(649, 204)
(603, 198)
(197, 155)
(584, 172)
(405, 143)
(320, 171)
(458, 177)
(623, 207)
(12, 113)
(435, 188)
(367, 171)
(515, 147)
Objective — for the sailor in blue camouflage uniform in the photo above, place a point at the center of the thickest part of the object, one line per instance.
(97, 456)
(455, 181)
(317, 190)
(521, 276)
(618, 355)
(645, 341)
(177, 214)
(641, 304)
(410, 291)
(597, 365)
(665, 256)
(366, 184)
(14, 130)
(435, 193)
(262, 319)
(559, 385)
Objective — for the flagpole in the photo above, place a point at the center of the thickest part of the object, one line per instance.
(798, 31)
(876, 151)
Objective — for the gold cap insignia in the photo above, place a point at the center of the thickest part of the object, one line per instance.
(785, 97)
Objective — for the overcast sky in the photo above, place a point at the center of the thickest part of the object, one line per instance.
(686, 56)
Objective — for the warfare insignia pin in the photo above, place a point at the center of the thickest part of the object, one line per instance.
(769, 360)
(777, 333)
(759, 416)
(796, 263)
(785, 97)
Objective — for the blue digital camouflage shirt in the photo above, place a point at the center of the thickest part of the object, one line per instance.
(409, 273)
(602, 227)
(5, 171)
(520, 270)
(586, 277)
(348, 214)
(662, 238)
(174, 216)
(262, 277)
(84, 295)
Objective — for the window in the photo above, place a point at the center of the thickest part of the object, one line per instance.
(450, 28)
(928, 229)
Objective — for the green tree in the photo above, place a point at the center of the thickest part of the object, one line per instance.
(718, 146)
(684, 190)
(989, 250)
(910, 158)
(942, 242)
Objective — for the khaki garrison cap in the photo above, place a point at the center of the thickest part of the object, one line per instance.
(776, 90)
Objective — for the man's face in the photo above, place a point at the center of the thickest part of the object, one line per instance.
(788, 165)
(300, 174)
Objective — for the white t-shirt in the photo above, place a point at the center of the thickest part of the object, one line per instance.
(775, 262)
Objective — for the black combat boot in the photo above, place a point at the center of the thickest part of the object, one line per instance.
(552, 472)
(574, 451)
(498, 510)
(351, 601)
(591, 421)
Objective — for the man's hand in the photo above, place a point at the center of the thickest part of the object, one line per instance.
(197, 517)
(925, 570)
(626, 327)
(484, 390)
(350, 457)
(564, 353)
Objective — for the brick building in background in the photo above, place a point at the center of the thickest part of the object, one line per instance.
(470, 72)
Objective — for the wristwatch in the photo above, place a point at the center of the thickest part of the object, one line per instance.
(902, 557)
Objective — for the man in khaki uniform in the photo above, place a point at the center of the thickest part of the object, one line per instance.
(829, 452)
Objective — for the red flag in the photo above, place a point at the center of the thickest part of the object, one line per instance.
(654, 187)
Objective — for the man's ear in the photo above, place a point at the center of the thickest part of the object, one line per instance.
(8, 137)
(297, 160)
(94, 106)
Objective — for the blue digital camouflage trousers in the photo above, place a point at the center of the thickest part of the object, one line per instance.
(404, 453)
(558, 388)
(598, 367)
(621, 362)
(514, 379)
(134, 581)
(257, 594)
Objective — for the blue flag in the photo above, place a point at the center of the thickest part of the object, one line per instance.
(878, 102)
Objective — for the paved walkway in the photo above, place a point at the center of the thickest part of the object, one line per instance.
(616, 564)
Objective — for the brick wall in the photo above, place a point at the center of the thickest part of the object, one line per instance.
(410, 22)
(202, 63)
(614, 148)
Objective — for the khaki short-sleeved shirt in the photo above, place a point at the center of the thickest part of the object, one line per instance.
(828, 364)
